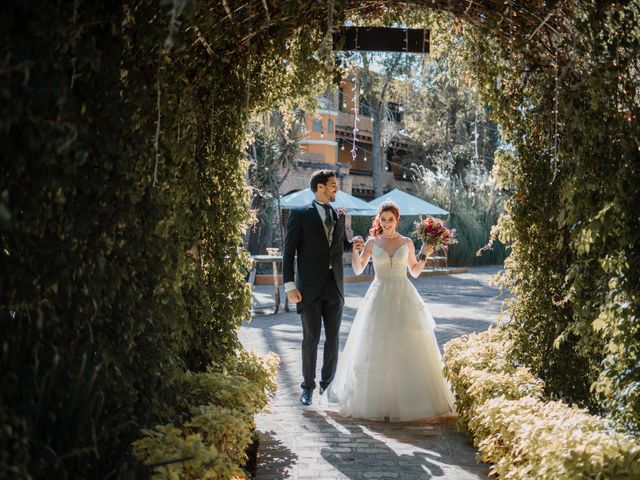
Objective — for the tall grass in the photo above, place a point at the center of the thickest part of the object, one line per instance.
(474, 204)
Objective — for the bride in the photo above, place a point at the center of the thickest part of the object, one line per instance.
(391, 365)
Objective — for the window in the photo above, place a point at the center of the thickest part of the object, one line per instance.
(330, 126)
(363, 107)
(341, 103)
(317, 125)
(395, 112)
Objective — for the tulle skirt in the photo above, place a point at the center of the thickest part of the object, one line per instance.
(391, 367)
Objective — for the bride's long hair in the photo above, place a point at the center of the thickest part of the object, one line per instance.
(386, 206)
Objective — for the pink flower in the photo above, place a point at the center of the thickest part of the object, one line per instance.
(434, 232)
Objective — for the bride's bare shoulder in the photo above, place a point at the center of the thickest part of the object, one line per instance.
(407, 241)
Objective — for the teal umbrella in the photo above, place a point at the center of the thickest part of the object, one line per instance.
(352, 205)
(409, 205)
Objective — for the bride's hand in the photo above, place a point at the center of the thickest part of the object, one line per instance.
(427, 250)
(358, 243)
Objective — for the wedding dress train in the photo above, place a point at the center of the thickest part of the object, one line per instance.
(391, 366)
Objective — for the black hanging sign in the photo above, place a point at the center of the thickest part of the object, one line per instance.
(381, 39)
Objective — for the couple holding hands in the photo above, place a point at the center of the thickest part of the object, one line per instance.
(390, 368)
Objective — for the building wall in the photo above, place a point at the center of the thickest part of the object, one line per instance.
(321, 143)
(298, 178)
(329, 146)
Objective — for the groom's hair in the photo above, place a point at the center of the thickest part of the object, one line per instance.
(320, 177)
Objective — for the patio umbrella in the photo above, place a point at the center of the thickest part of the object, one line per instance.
(352, 205)
(409, 205)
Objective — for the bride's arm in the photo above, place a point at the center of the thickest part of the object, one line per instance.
(416, 266)
(359, 260)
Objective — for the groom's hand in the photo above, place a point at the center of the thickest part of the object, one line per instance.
(294, 295)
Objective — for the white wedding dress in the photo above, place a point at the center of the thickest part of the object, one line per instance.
(391, 366)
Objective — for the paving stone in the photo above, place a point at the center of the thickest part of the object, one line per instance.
(381, 474)
(310, 443)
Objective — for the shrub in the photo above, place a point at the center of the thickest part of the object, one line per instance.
(478, 368)
(474, 204)
(524, 436)
(572, 181)
(214, 421)
(529, 438)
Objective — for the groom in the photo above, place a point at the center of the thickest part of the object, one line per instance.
(316, 234)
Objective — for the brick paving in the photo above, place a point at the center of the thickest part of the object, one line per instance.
(312, 443)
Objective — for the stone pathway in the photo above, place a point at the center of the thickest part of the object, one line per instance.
(309, 443)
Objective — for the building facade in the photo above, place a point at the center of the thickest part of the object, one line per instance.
(329, 143)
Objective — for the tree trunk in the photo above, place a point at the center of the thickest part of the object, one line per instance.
(376, 147)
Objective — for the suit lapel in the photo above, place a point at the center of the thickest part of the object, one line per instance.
(337, 234)
(317, 222)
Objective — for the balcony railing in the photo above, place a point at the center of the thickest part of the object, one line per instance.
(365, 173)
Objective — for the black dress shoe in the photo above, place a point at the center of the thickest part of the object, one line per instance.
(321, 391)
(305, 397)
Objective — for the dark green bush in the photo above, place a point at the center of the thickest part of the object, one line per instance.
(571, 113)
(122, 203)
(122, 209)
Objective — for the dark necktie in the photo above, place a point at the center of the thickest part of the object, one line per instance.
(328, 218)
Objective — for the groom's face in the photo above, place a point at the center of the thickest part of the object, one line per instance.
(328, 192)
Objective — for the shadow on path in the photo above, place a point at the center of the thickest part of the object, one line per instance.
(370, 449)
(274, 458)
(312, 443)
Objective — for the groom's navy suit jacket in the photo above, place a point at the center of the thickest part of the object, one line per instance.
(306, 236)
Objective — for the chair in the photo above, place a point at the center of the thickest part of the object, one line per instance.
(368, 270)
(441, 260)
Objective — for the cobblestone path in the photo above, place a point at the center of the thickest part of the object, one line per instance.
(309, 443)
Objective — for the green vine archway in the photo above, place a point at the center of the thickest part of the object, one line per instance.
(122, 199)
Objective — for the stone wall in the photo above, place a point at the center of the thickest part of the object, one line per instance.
(298, 178)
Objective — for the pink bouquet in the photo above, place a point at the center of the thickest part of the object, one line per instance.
(433, 232)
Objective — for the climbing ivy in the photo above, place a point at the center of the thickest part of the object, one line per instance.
(123, 206)
(571, 115)
(562, 81)
(123, 210)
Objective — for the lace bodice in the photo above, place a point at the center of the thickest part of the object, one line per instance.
(387, 266)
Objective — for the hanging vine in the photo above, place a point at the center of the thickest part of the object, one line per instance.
(119, 279)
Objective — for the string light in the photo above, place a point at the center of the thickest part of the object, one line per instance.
(355, 90)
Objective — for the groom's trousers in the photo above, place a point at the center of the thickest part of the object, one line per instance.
(325, 310)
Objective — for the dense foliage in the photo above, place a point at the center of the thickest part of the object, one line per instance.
(123, 205)
(274, 144)
(444, 113)
(122, 201)
(569, 105)
(213, 422)
(474, 204)
(518, 431)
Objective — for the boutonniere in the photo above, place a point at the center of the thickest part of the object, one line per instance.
(341, 212)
